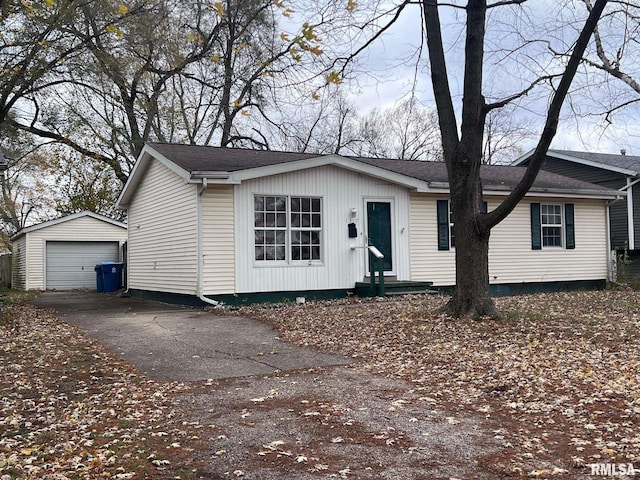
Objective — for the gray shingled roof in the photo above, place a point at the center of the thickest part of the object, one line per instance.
(628, 162)
(496, 176)
(194, 158)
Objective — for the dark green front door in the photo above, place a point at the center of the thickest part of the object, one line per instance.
(379, 230)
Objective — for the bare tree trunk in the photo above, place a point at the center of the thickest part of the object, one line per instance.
(463, 152)
(471, 295)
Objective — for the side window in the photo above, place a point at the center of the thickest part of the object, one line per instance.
(306, 226)
(552, 226)
(446, 224)
(270, 223)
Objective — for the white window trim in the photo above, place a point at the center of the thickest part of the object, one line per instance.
(288, 261)
(562, 227)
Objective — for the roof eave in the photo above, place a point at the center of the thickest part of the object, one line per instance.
(215, 177)
(561, 192)
(146, 155)
(557, 192)
(67, 218)
(570, 158)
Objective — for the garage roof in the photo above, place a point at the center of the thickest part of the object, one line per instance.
(67, 218)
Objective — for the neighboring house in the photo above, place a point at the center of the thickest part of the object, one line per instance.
(225, 224)
(61, 254)
(619, 172)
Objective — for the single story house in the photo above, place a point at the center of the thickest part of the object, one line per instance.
(215, 224)
(61, 254)
(617, 171)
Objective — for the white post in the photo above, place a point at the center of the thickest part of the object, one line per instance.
(632, 241)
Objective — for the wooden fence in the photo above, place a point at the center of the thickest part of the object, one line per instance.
(5, 270)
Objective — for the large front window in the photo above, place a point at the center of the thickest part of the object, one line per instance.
(287, 228)
(551, 224)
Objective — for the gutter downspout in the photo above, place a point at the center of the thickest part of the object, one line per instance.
(200, 249)
(610, 269)
(630, 226)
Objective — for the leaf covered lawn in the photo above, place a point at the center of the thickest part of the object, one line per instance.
(557, 382)
(558, 376)
(71, 409)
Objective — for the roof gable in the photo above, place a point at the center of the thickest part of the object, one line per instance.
(624, 164)
(68, 218)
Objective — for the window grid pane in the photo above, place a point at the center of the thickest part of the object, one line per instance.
(270, 223)
(304, 224)
(551, 223)
(552, 236)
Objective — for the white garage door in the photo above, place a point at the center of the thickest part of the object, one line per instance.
(71, 264)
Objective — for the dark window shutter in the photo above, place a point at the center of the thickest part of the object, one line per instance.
(570, 226)
(536, 234)
(443, 225)
(485, 207)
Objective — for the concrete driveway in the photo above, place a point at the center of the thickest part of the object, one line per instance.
(168, 343)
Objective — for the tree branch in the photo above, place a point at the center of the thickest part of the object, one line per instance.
(551, 123)
(70, 143)
(439, 79)
(502, 103)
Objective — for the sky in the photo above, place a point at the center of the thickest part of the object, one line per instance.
(385, 75)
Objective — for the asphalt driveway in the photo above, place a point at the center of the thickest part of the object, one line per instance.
(169, 343)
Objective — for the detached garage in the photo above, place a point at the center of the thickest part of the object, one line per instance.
(61, 254)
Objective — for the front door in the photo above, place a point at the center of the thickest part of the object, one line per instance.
(379, 231)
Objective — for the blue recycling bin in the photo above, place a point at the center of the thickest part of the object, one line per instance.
(109, 276)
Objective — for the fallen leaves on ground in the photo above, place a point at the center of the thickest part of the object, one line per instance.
(71, 409)
(557, 380)
(558, 375)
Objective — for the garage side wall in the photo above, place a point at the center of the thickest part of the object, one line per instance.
(163, 235)
(84, 229)
(511, 257)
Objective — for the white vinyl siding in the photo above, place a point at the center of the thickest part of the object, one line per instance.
(218, 240)
(511, 259)
(83, 229)
(427, 262)
(340, 190)
(163, 244)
